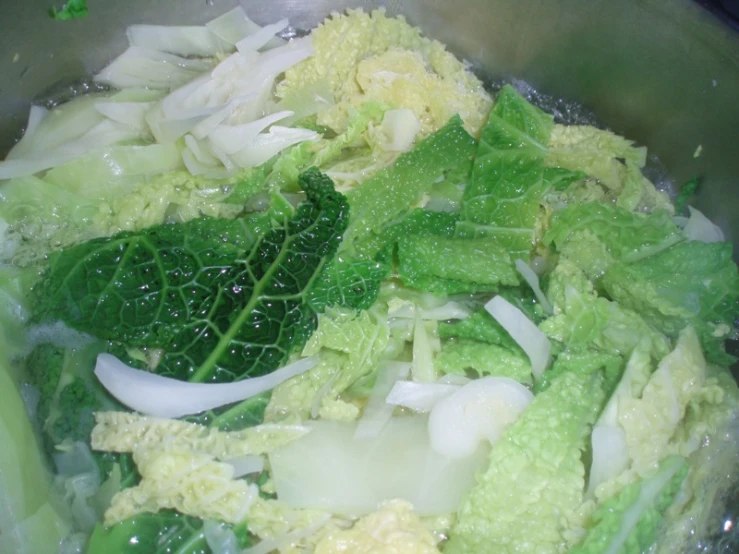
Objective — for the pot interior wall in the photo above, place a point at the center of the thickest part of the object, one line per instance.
(662, 72)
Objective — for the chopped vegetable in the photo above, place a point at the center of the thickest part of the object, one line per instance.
(394, 527)
(331, 469)
(72, 9)
(462, 356)
(533, 342)
(127, 432)
(702, 229)
(191, 483)
(390, 314)
(480, 410)
(631, 520)
(528, 497)
(692, 282)
(419, 397)
(160, 396)
(197, 271)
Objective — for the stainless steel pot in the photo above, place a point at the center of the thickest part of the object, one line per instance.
(662, 72)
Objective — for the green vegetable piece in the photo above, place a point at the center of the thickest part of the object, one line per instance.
(161, 533)
(689, 189)
(422, 222)
(223, 299)
(447, 266)
(248, 413)
(613, 160)
(509, 180)
(482, 327)
(691, 283)
(72, 9)
(534, 485)
(31, 522)
(349, 282)
(583, 320)
(393, 191)
(69, 394)
(628, 523)
(586, 363)
(462, 356)
(595, 235)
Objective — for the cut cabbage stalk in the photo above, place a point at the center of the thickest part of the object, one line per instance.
(246, 465)
(127, 113)
(702, 229)
(140, 67)
(235, 25)
(260, 38)
(424, 348)
(197, 41)
(530, 276)
(329, 469)
(480, 410)
(450, 310)
(419, 397)
(159, 396)
(528, 336)
(378, 412)
(400, 128)
(610, 455)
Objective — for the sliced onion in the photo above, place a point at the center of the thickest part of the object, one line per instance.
(159, 396)
(528, 336)
(530, 276)
(702, 229)
(419, 397)
(377, 412)
(480, 410)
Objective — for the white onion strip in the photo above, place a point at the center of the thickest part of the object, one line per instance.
(528, 336)
(419, 397)
(530, 276)
(159, 396)
(700, 228)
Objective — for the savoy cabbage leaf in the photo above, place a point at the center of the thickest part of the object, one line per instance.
(391, 192)
(448, 266)
(691, 283)
(222, 299)
(595, 235)
(509, 181)
(159, 533)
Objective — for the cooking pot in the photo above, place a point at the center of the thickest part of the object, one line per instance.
(662, 72)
